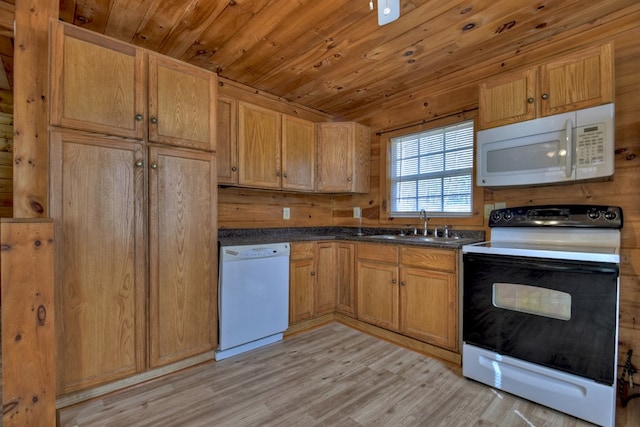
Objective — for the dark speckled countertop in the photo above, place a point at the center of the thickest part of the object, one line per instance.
(256, 236)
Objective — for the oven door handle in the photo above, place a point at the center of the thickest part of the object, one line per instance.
(545, 264)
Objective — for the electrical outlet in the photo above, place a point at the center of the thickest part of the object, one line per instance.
(500, 205)
(487, 210)
(286, 213)
(357, 212)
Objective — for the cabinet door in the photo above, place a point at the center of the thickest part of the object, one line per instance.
(182, 254)
(98, 206)
(259, 144)
(182, 104)
(97, 84)
(227, 140)
(581, 80)
(301, 284)
(335, 157)
(509, 98)
(428, 301)
(345, 278)
(377, 294)
(298, 153)
(325, 288)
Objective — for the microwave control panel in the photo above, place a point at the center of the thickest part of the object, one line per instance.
(591, 145)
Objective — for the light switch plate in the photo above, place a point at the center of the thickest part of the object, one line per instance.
(500, 205)
(487, 210)
(357, 212)
(286, 213)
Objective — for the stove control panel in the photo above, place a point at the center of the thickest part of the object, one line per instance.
(583, 216)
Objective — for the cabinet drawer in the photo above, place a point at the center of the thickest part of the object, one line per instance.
(432, 258)
(302, 250)
(378, 252)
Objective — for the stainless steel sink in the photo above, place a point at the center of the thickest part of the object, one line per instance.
(386, 236)
(415, 238)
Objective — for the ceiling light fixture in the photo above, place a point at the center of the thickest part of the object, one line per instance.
(388, 10)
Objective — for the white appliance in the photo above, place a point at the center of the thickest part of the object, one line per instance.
(253, 297)
(566, 147)
(541, 307)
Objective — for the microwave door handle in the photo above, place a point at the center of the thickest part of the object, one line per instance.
(569, 147)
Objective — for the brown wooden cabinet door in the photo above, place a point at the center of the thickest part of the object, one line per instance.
(335, 157)
(227, 140)
(97, 188)
(507, 99)
(345, 278)
(377, 294)
(325, 287)
(428, 306)
(97, 84)
(182, 254)
(182, 103)
(581, 80)
(298, 153)
(301, 285)
(259, 145)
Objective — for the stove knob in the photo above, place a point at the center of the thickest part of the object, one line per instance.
(496, 216)
(610, 215)
(508, 215)
(593, 214)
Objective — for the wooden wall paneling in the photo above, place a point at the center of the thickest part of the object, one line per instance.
(245, 208)
(7, 16)
(27, 276)
(31, 99)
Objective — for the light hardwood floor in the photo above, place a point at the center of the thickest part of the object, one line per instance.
(329, 376)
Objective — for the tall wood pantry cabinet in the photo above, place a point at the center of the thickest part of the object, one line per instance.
(580, 80)
(133, 196)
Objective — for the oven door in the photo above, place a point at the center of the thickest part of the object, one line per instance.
(556, 313)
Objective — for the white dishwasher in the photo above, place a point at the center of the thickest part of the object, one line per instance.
(253, 296)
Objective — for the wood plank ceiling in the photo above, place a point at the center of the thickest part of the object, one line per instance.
(331, 55)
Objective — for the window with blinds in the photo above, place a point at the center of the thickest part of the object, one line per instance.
(432, 170)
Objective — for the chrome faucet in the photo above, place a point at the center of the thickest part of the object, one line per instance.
(423, 213)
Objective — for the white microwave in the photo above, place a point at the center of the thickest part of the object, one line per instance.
(565, 147)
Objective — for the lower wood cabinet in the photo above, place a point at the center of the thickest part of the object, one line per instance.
(312, 286)
(410, 290)
(103, 329)
(344, 268)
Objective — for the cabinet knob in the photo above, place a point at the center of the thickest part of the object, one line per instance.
(403, 283)
(138, 117)
(313, 273)
(139, 163)
(154, 166)
(154, 120)
(394, 281)
(234, 169)
(530, 100)
(278, 174)
(349, 178)
(545, 96)
(285, 175)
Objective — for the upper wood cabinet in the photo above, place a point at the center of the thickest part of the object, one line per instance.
(182, 254)
(298, 153)
(97, 201)
(259, 142)
(343, 158)
(581, 80)
(274, 150)
(182, 103)
(100, 85)
(227, 140)
(96, 83)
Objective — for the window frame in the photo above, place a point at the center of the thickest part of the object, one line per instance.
(477, 216)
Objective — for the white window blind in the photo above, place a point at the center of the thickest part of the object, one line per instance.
(432, 170)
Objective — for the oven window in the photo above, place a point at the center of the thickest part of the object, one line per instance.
(532, 300)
